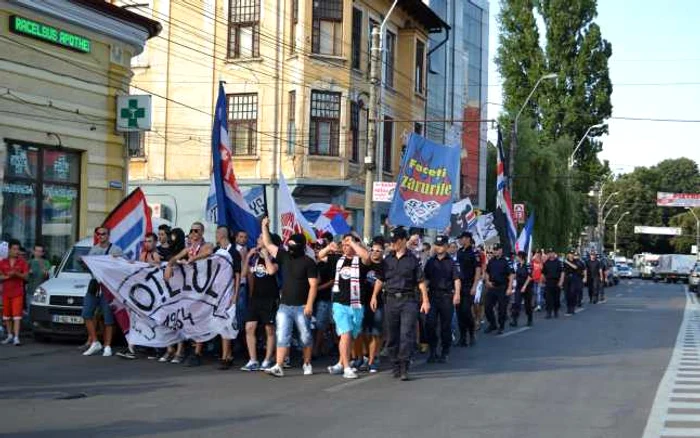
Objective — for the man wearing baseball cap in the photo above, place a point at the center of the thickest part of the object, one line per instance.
(444, 285)
(401, 277)
(469, 261)
(499, 281)
(553, 273)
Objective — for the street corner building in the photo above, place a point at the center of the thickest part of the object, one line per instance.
(297, 78)
(63, 165)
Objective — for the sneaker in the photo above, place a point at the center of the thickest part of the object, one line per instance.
(444, 358)
(94, 348)
(266, 365)
(127, 353)
(373, 368)
(107, 352)
(167, 357)
(275, 371)
(287, 363)
(8, 340)
(194, 360)
(335, 369)
(16, 342)
(569, 314)
(349, 373)
(308, 369)
(252, 365)
(500, 331)
(538, 309)
(177, 359)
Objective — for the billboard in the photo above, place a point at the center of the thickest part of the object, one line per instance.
(664, 231)
(664, 199)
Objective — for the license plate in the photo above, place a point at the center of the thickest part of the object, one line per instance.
(67, 319)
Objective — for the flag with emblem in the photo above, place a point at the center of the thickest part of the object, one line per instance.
(291, 219)
(226, 204)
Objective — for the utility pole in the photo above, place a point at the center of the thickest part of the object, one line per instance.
(370, 165)
(697, 230)
(615, 228)
(375, 57)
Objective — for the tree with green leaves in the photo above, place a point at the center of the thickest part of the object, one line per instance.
(580, 98)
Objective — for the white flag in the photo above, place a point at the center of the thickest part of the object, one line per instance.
(291, 219)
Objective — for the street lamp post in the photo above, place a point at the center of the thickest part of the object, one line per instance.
(601, 222)
(573, 154)
(697, 231)
(514, 131)
(375, 56)
(615, 228)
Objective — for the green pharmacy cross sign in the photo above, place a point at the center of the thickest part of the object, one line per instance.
(133, 113)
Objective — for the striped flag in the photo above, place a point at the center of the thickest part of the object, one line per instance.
(291, 219)
(226, 204)
(503, 202)
(525, 240)
(128, 224)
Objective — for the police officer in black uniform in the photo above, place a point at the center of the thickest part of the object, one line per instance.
(444, 285)
(574, 272)
(523, 290)
(401, 278)
(469, 261)
(499, 283)
(553, 273)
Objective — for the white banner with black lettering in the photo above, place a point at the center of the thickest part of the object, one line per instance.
(195, 303)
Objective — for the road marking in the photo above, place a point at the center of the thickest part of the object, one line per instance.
(514, 332)
(670, 392)
(629, 310)
(579, 310)
(618, 295)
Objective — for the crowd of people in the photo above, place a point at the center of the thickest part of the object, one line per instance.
(394, 297)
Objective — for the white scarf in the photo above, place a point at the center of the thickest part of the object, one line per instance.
(354, 280)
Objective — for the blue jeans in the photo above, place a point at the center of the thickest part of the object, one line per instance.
(242, 307)
(287, 318)
(90, 306)
(323, 315)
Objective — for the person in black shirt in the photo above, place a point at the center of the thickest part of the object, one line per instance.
(299, 288)
(553, 273)
(523, 290)
(373, 321)
(261, 270)
(350, 273)
(401, 275)
(499, 283)
(595, 276)
(164, 249)
(444, 285)
(322, 305)
(574, 271)
(469, 261)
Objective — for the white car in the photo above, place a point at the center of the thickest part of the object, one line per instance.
(57, 303)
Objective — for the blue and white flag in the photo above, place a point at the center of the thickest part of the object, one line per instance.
(226, 204)
(425, 185)
(523, 242)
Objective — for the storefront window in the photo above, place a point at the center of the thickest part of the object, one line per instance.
(41, 206)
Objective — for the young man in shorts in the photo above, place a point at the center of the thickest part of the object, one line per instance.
(13, 274)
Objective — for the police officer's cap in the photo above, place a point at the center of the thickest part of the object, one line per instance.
(442, 240)
(551, 250)
(497, 246)
(465, 234)
(399, 234)
(572, 251)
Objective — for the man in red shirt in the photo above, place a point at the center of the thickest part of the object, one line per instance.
(13, 273)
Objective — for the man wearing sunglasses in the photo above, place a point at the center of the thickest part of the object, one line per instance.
(95, 297)
(196, 249)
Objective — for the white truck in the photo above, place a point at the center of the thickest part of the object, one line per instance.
(674, 267)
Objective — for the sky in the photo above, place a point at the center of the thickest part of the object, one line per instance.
(655, 71)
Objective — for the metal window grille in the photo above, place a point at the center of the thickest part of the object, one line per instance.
(324, 131)
(355, 131)
(243, 123)
(388, 141)
(244, 29)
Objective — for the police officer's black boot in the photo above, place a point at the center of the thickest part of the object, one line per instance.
(514, 322)
(432, 358)
(443, 357)
(396, 371)
(529, 320)
(472, 338)
(404, 372)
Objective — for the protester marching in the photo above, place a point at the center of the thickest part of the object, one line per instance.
(316, 290)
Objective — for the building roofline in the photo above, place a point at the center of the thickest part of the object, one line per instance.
(153, 27)
(424, 15)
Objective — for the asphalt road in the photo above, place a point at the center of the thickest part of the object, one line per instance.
(595, 374)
